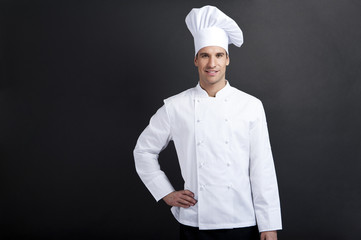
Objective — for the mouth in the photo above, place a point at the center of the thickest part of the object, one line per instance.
(211, 72)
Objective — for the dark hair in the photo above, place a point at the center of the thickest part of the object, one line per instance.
(225, 51)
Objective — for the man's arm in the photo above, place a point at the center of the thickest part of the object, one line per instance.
(151, 142)
(263, 176)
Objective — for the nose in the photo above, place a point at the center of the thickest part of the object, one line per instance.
(212, 62)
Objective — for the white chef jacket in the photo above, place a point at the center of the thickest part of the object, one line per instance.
(225, 158)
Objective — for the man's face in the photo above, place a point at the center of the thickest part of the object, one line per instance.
(211, 62)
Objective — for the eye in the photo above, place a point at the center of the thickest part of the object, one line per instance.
(219, 55)
(204, 56)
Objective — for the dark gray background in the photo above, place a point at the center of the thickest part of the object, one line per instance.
(80, 80)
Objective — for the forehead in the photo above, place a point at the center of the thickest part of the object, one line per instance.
(211, 50)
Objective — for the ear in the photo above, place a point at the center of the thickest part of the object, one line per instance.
(196, 61)
(228, 60)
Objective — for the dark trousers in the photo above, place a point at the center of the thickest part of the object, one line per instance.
(193, 233)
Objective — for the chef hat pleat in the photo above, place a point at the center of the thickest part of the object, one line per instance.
(211, 27)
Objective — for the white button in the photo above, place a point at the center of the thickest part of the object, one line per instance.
(198, 120)
(229, 187)
(228, 164)
(201, 188)
(226, 119)
(226, 142)
(198, 100)
(225, 99)
(201, 165)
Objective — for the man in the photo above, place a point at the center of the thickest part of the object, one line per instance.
(221, 138)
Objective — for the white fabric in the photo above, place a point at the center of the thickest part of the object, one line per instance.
(225, 158)
(211, 27)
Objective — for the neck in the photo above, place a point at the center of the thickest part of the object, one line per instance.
(212, 89)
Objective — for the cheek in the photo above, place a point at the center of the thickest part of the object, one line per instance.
(200, 66)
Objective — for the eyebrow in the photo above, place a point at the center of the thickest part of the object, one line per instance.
(203, 53)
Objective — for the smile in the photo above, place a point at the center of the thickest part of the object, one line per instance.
(211, 72)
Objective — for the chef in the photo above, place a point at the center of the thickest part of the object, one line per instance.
(222, 143)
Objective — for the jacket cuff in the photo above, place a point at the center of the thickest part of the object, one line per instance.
(160, 187)
(271, 222)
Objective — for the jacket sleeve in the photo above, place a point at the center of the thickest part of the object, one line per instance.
(151, 142)
(263, 176)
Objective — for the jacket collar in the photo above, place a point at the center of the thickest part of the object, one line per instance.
(200, 92)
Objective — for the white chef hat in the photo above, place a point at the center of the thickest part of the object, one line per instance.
(211, 27)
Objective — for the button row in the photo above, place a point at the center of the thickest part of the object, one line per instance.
(203, 163)
(226, 120)
(202, 187)
(200, 142)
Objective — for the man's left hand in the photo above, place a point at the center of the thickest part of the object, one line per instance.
(269, 235)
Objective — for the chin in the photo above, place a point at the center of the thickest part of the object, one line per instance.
(213, 81)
